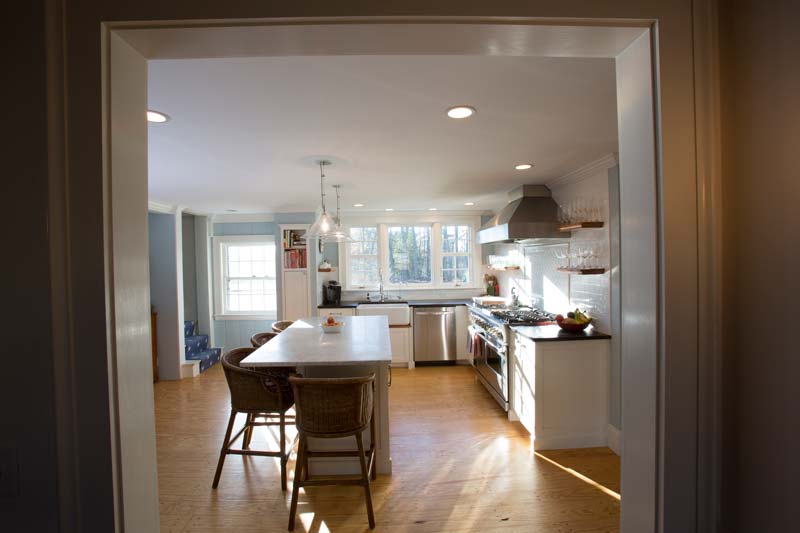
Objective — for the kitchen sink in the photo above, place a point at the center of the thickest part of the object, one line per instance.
(398, 313)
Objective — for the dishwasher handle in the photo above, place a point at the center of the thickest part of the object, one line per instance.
(433, 313)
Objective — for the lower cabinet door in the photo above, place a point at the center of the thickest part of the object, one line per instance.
(401, 345)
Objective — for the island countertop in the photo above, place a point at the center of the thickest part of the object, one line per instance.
(555, 333)
(363, 340)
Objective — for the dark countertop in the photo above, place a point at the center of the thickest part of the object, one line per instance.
(412, 303)
(555, 333)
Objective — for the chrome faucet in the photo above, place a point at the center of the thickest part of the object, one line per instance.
(380, 284)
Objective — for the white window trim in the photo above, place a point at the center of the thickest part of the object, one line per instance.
(382, 222)
(219, 298)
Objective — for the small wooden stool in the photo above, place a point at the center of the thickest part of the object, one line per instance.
(330, 408)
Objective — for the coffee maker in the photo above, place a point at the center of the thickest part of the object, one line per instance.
(331, 293)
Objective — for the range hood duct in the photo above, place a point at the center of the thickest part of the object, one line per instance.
(531, 217)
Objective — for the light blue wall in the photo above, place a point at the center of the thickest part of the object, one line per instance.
(163, 294)
(233, 333)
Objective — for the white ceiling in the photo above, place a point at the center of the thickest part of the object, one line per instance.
(244, 133)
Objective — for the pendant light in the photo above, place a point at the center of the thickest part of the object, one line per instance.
(325, 223)
(339, 232)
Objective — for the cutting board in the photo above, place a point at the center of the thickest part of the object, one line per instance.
(489, 300)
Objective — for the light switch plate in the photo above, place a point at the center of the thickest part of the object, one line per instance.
(9, 471)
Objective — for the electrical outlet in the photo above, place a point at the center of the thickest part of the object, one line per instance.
(9, 472)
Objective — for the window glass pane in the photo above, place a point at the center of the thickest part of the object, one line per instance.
(363, 260)
(250, 284)
(448, 262)
(409, 254)
(462, 275)
(447, 276)
(462, 262)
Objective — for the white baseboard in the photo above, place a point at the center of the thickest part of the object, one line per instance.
(614, 439)
(564, 441)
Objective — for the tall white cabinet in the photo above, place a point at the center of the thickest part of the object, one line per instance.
(295, 278)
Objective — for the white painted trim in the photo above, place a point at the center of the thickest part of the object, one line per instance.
(244, 217)
(159, 207)
(586, 171)
(574, 440)
(190, 369)
(614, 439)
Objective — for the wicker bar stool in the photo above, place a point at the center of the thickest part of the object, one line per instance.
(260, 339)
(330, 408)
(281, 325)
(259, 393)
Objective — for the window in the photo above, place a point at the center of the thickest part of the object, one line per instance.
(363, 256)
(409, 254)
(245, 277)
(456, 251)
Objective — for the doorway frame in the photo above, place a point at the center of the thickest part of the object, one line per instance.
(705, 180)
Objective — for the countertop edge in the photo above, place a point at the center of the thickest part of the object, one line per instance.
(411, 303)
(555, 334)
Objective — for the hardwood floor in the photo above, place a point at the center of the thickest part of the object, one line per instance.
(459, 465)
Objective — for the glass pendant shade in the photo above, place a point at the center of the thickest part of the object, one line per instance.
(322, 227)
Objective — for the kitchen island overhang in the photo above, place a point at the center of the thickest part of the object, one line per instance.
(361, 348)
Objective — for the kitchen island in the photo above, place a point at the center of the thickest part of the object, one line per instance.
(361, 348)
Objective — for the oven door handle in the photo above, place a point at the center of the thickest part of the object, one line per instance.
(499, 349)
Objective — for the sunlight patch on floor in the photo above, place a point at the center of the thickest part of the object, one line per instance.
(580, 476)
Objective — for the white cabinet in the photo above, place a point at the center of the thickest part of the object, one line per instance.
(559, 391)
(336, 311)
(462, 323)
(400, 338)
(295, 294)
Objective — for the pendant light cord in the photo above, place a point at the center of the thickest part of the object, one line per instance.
(321, 187)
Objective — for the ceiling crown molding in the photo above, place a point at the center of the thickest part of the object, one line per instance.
(159, 207)
(587, 171)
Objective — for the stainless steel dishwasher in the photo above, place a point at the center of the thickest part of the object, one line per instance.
(434, 334)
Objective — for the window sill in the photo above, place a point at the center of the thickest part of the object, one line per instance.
(246, 317)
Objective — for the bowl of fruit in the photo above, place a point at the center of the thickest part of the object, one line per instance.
(574, 321)
(330, 325)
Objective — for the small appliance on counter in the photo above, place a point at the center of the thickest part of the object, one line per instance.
(331, 293)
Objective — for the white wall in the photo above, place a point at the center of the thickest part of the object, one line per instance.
(134, 434)
(190, 311)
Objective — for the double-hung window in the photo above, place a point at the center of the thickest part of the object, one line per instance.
(456, 254)
(362, 258)
(245, 280)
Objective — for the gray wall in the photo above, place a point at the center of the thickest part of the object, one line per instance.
(233, 333)
(28, 427)
(760, 86)
(164, 294)
(189, 269)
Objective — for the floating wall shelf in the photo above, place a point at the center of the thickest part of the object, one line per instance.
(582, 225)
(583, 271)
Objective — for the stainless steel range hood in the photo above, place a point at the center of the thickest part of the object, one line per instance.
(531, 217)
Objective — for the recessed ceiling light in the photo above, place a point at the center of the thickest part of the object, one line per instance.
(156, 116)
(390, 209)
(460, 111)
(469, 203)
(523, 166)
(358, 205)
(432, 209)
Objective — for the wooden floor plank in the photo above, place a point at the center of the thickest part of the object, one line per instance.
(459, 465)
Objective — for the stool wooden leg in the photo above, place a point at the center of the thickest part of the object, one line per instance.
(248, 432)
(284, 456)
(297, 481)
(224, 451)
(365, 480)
(373, 447)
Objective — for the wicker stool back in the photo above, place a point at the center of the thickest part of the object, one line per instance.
(260, 339)
(255, 390)
(281, 325)
(333, 407)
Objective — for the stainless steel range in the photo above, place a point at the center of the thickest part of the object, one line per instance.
(490, 329)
